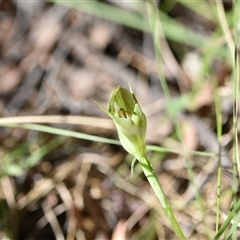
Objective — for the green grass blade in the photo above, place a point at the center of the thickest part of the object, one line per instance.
(231, 215)
(63, 132)
(34, 158)
(172, 29)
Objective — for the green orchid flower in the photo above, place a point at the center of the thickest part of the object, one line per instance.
(129, 120)
(131, 124)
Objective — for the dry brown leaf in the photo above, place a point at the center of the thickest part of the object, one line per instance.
(46, 34)
(189, 135)
(120, 231)
(100, 35)
(203, 98)
(158, 129)
(10, 78)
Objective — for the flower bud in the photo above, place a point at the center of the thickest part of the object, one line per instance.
(129, 119)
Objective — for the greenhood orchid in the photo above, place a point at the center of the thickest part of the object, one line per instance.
(131, 124)
(129, 119)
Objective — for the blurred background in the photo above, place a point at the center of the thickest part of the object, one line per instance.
(63, 172)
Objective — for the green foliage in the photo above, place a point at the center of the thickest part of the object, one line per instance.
(129, 119)
(27, 155)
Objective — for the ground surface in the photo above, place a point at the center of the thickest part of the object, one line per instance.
(57, 61)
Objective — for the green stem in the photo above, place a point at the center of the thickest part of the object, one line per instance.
(153, 180)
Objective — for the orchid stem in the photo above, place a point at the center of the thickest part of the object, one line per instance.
(153, 180)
